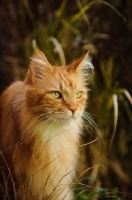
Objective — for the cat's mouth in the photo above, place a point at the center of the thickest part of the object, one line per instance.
(65, 118)
(61, 117)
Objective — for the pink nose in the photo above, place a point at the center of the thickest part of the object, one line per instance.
(73, 111)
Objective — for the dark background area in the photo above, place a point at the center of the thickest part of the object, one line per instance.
(105, 28)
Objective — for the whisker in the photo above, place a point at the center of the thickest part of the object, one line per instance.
(92, 125)
(40, 118)
(32, 131)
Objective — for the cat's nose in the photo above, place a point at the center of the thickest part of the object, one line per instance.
(73, 111)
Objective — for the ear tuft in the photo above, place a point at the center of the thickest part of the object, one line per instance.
(82, 67)
(39, 56)
(87, 64)
(80, 64)
(38, 64)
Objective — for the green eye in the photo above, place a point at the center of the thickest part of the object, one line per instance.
(78, 94)
(56, 95)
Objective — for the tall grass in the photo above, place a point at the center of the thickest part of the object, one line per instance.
(64, 31)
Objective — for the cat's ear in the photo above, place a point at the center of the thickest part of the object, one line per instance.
(39, 57)
(38, 65)
(81, 64)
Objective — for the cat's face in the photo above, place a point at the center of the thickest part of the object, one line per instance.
(55, 94)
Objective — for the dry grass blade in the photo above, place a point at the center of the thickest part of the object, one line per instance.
(127, 94)
(10, 174)
(115, 104)
(59, 50)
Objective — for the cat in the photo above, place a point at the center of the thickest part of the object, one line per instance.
(40, 126)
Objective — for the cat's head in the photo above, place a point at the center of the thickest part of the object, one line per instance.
(57, 93)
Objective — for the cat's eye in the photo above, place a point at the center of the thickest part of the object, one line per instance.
(56, 94)
(78, 94)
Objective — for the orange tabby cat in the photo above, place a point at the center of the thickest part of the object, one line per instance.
(41, 120)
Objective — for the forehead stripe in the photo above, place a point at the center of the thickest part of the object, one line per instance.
(66, 80)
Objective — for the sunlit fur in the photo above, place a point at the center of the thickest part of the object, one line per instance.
(39, 134)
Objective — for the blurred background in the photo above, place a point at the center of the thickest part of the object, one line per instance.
(65, 30)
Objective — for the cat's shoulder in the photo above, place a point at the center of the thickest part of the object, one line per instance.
(13, 89)
(15, 85)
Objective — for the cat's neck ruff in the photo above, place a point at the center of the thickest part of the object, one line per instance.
(47, 134)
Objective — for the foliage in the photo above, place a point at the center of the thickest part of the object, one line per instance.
(64, 30)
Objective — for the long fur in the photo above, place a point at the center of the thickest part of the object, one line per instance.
(39, 134)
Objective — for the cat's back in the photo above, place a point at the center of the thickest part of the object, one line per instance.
(10, 94)
(10, 105)
(11, 99)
